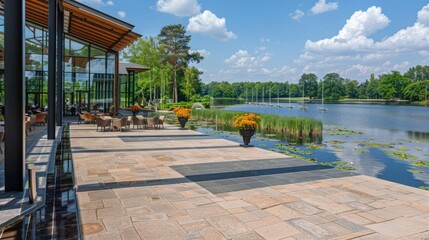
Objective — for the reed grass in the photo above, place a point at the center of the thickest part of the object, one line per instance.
(295, 126)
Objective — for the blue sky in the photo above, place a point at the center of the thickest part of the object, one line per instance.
(278, 40)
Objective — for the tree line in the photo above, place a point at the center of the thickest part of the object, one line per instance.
(411, 85)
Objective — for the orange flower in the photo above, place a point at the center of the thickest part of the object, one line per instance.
(182, 112)
(135, 108)
(248, 121)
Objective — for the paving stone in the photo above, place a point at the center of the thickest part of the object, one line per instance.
(117, 223)
(304, 208)
(350, 225)
(110, 212)
(284, 212)
(277, 231)
(311, 229)
(399, 227)
(212, 234)
(206, 211)
(153, 229)
(101, 195)
(129, 234)
(336, 229)
(230, 226)
(247, 217)
(234, 204)
(91, 228)
(249, 236)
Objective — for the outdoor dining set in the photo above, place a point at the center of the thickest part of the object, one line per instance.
(122, 123)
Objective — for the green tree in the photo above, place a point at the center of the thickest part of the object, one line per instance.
(418, 73)
(175, 44)
(352, 88)
(192, 82)
(334, 86)
(372, 88)
(416, 91)
(392, 85)
(309, 80)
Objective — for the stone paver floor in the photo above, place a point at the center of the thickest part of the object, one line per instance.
(179, 184)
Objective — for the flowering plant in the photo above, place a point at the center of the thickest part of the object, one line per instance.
(135, 108)
(248, 121)
(182, 112)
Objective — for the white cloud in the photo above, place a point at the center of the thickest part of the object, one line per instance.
(179, 8)
(322, 6)
(110, 3)
(298, 14)
(346, 52)
(202, 52)
(122, 14)
(210, 25)
(243, 59)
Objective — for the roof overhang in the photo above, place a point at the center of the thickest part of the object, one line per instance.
(85, 23)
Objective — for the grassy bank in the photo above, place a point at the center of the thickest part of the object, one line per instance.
(295, 126)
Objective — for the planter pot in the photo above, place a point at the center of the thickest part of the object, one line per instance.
(134, 113)
(247, 135)
(182, 122)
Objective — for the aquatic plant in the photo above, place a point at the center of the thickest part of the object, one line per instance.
(341, 131)
(376, 145)
(421, 164)
(424, 187)
(400, 155)
(415, 171)
(294, 126)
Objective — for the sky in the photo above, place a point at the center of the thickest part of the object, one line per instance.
(279, 40)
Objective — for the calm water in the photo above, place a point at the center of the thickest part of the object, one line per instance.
(404, 128)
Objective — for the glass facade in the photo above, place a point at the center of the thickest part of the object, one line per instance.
(88, 72)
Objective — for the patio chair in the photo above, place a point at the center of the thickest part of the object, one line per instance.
(125, 124)
(89, 118)
(1, 141)
(40, 119)
(103, 123)
(33, 121)
(138, 121)
(152, 121)
(160, 121)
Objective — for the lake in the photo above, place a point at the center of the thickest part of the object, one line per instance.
(393, 144)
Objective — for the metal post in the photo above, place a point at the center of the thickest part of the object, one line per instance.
(116, 85)
(426, 97)
(32, 183)
(14, 60)
(52, 54)
(60, 47)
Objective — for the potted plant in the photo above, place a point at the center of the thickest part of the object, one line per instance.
(135, 109)
(182, 114)
(246, 124)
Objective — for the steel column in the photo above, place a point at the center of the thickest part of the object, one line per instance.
(52, 54)
(116, 84)
(60, 59)
(14, 62)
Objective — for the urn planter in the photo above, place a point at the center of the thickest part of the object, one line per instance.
(182, 122)
(247, 135)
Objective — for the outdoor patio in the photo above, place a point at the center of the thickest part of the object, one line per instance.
(180, 184)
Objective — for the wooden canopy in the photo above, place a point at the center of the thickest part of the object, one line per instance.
(85, 23)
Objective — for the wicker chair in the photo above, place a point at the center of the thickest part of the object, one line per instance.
(152, 122)
(40, 119)
(160, 121)
(138, 121)
(103, 123)
(125, 124)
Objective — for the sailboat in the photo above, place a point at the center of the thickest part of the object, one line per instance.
(256, 97)
(290, 106)
(302, 106)
(252, 98)
(322, 108)
(270, 104)
(278, 98)
(263, 97)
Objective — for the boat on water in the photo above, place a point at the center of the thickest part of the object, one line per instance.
(322, 108)
(270, 104)
(278, 98)
(302, 105)
(290, 106)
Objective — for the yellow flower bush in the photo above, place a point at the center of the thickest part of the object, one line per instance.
(248, 121)
(182, 112)
(135, 108)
